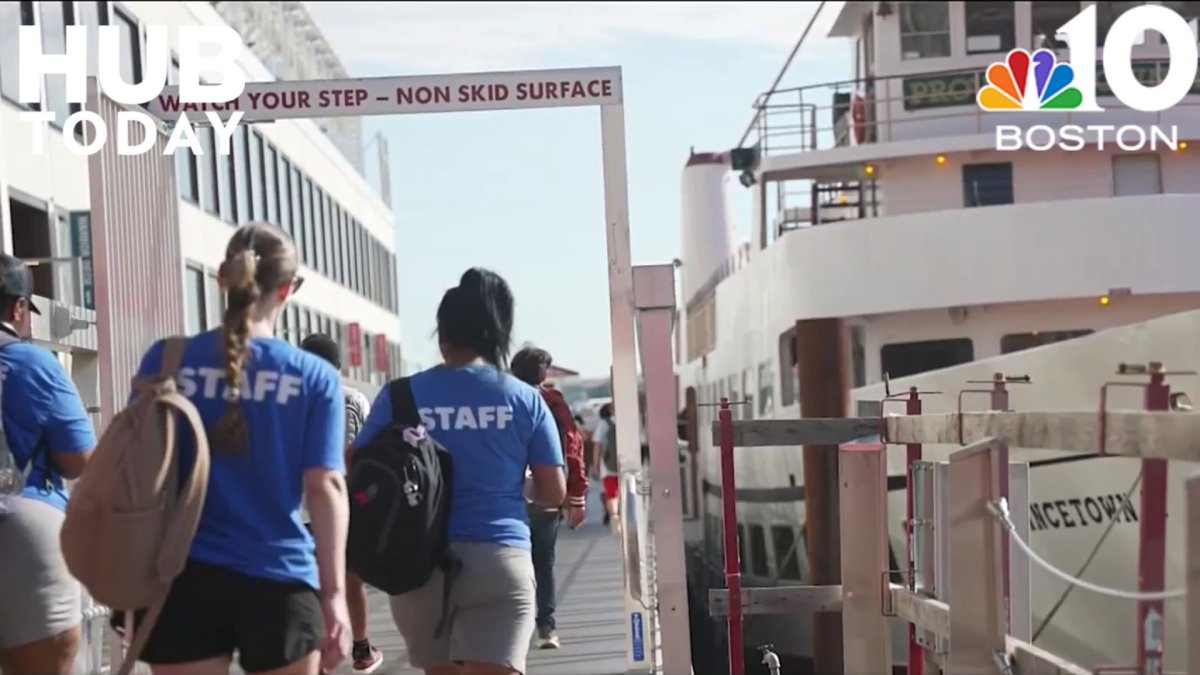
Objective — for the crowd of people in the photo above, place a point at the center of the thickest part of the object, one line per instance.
(266, 575)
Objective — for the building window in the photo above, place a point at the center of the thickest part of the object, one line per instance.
(1047, 17)
(215, 301)
(271, 186)
(194, 283)
(131, 49)
(355, 262)
(911, 358)
(185, 160)
(789, 373)
(924, 30)
(1190, 11)
(318, 206)
(239, 175)
(207, 170)
(1136, 175)
(991, 27)
(306, 221)
(298, 216)
(55, 17)
(1015, 342)
(283, 182)
(257, 179)
(987, 184)
(225, 193)
(335, 229)
(13, 15)
(787, 552)
(329, 231)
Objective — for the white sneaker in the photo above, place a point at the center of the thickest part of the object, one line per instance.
(548, 640)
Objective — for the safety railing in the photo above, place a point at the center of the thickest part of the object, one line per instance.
(919, 105)
(964, 591)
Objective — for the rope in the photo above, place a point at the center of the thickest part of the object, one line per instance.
(1000, 509)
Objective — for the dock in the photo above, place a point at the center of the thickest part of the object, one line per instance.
(590, 612)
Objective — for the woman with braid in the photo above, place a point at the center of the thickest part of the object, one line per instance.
(255, 582)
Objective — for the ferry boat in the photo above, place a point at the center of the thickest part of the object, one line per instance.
(883, 200)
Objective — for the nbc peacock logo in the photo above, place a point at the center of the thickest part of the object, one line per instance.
(1024, 82)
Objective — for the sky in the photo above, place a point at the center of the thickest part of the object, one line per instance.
(520, 192)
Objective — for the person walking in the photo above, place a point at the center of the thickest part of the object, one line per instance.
(254, 582)
(604, 444)
(49, 438)
(365, 657)
(493, 426)
(530, 365)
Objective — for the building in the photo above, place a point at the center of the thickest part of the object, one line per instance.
(291, 173)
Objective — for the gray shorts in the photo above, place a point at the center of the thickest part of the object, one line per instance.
(41, 598)
(493, 608)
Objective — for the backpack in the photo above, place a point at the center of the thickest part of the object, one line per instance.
(609, 451)
(129, 524)
(399, 485)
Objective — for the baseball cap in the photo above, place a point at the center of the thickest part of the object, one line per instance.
(16, 281)
(323, 346)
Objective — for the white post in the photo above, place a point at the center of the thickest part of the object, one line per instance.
(654, 296)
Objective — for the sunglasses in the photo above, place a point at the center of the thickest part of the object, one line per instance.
(297, 282)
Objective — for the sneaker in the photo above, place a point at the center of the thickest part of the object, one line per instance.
(365, 664)
(548, 639)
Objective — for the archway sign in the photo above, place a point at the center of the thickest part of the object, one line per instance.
(461, 92)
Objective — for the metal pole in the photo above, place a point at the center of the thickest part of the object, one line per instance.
(1152, 553)
(821, 358)
(916, 654)
(733, 574)
(999, 402)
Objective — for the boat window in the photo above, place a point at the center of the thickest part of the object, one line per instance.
(991, 27)
(987, 184)
(766, 388)
(1190, 11)
(858, 356)
(924, 30)
(910, 358)
(748, 394)
(1107, 14)
(1136, 175)
(789, 375)
(1015, 342)
(1047, 18)
(758, 551)
(735, 397)
(787, 552)
(742, 558)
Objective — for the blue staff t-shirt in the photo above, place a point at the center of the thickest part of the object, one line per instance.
(494, 426)
(42, 414)
(294, 416)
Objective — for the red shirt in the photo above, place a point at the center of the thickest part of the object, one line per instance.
(572, 445)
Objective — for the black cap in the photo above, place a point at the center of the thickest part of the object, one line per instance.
(16, 281)
(323, 346)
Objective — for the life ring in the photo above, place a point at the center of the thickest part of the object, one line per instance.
(858, 119)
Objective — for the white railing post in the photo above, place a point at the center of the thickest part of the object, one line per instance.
(654, 298)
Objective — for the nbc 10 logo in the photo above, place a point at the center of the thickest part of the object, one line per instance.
(1038, 82)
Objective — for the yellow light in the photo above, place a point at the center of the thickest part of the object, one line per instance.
(869, 169)
(940, 159)
(1183, 145)
(1104, 301)
(843, 199)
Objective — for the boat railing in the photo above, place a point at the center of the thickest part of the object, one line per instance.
(914, 106)
(968, 561)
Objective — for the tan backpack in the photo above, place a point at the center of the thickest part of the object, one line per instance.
(128, 529)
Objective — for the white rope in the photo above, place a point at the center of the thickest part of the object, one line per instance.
(1000, 508)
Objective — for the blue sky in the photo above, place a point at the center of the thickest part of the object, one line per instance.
(520, 192)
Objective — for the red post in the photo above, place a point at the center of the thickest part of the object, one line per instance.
(916, 655)
(1152, 553)
(733, 573)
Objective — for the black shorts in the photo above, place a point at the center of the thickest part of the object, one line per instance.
(213, 611)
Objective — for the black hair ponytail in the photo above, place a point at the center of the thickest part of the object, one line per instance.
(477, 314)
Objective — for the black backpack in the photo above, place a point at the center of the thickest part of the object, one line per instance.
(400, 505)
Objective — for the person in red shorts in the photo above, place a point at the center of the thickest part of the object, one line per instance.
(604, 440)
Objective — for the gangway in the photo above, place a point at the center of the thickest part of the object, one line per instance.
(963, 590)
(134, 307)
